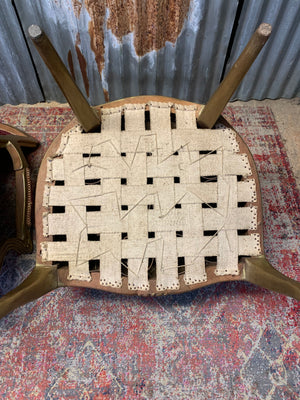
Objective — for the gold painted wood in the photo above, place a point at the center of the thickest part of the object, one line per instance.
(86, 115)
(259, 271)
(42, 280)
(216, 104)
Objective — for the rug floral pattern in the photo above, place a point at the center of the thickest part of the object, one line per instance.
(227, 341)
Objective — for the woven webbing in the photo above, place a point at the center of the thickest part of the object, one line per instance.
(150, 194)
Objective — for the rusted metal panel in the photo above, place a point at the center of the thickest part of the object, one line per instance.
(276, 72)
(18, 81)
(117, 49)
(177, 48)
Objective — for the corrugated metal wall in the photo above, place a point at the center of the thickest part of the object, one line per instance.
(177, 48)
(276, 72)
(18, 80)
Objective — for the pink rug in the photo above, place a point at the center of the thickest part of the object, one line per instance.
(227, 341)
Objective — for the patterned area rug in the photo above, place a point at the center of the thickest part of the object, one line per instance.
(227, 341)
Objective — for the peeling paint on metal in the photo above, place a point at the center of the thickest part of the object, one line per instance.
(77, 5)
(174, 48)
(122, 17)
(106, 95)
(153, 23)
(188, 68)
(96, 10)
(83, 65)
(180, 52)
